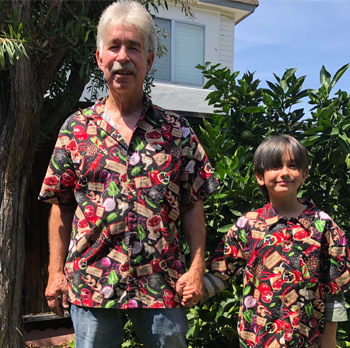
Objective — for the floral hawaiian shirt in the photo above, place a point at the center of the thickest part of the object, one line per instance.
(289, 267)
(125, 249)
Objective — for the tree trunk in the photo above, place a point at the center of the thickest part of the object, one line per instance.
(22, 89)
(19, 133)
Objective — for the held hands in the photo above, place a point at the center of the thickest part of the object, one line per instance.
(57, 293)
(189, 289)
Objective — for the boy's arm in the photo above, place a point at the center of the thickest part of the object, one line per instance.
(328, 338)
(335, 311)
(213, 285)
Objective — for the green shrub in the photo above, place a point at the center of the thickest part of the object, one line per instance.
(246, 114)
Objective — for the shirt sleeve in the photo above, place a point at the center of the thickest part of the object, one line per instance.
(229, 257)
(198, 179)
(212, 285)
(335, 308)
(60, 179)
(335, 257)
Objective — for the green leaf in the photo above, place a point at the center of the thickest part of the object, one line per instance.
(339, 74)
(325, 77)
(224, 229)
(288, 73)
(253, 109)
(310, 140)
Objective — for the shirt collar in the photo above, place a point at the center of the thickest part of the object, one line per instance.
(96, 111)
(271, 217)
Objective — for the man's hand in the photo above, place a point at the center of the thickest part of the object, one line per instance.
(59, 234)
(190, 292)
(193, 224)
(57, 293)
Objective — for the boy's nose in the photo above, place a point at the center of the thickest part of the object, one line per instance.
(284, 170)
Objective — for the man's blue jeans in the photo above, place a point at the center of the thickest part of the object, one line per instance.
(104, 328)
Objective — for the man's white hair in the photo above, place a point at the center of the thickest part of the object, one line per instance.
(129, 13)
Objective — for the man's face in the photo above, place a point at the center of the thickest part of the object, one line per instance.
(123, 59)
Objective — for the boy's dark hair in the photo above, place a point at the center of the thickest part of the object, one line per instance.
(269, 155)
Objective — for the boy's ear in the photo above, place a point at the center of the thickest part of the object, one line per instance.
(305, 174)
(260, 179)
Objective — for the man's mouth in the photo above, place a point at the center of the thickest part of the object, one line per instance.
(122, 72)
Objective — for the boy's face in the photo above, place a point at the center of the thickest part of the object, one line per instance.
(284, 180)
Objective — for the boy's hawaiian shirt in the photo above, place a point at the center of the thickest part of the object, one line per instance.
(125, 249)
(289, 267)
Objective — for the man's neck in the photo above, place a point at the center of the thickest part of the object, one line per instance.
(125, 111)
(125, 105)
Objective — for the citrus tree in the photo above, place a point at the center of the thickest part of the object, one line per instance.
(245, 115)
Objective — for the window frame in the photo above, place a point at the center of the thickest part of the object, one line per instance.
(172, 52)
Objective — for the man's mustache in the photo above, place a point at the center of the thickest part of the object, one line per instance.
(125, 67)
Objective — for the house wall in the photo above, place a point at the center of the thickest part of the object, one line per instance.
(219, 23)
(219, 48)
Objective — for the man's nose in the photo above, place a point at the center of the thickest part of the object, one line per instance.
(122, 55)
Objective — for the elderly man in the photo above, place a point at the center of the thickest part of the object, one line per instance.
(126, 181)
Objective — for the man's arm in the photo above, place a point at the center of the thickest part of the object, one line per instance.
(60, 223)
(193, 225)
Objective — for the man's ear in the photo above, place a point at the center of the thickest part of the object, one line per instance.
(260, 179)
(150, 60)
(99, 59)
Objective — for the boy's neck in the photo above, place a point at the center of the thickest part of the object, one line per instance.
(287, 207)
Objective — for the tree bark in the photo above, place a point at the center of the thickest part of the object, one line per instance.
(22, 89)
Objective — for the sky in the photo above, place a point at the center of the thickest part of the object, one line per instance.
(302, 34)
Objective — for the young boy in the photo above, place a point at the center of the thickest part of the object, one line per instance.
(295, 258)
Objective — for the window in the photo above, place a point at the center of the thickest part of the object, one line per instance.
(185, 49)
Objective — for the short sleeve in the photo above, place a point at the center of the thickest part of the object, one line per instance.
(60, 179)
(229, 258)
(197, 176)
(335, 308)
(335, 258)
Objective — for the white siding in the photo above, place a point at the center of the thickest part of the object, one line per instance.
(226, 40)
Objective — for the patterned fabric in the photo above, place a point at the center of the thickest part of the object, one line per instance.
(289, 267)
(125, 249)
(335, 308)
